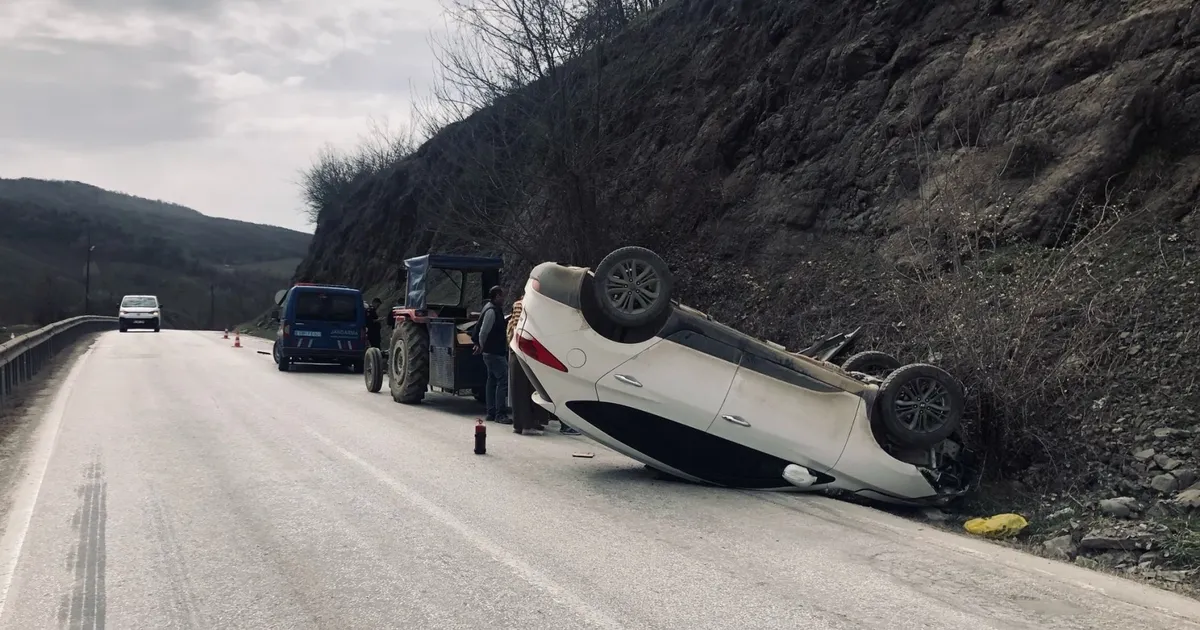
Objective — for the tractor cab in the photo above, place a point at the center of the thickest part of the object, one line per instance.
(431, 346)
(440, 286)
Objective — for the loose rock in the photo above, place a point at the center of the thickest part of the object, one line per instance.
(1165, 483)
(1061, 547)
(1144, 454)
(1189, 499)
(1120, 507)
(1116, 540)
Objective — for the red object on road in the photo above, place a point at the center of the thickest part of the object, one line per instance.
(480, 439)
(226, 333)
(237, 339)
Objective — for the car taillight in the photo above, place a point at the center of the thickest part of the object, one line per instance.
(536, 351)
(287, 330)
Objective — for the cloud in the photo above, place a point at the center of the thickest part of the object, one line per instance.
(216, 104)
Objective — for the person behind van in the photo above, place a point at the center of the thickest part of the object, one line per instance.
(373, 324)
(490, 342)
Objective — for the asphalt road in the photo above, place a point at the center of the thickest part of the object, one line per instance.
(176, 482)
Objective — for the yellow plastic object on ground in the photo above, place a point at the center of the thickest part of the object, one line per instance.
(998, 526)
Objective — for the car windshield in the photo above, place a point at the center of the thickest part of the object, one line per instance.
(335, 307)
(139, 301)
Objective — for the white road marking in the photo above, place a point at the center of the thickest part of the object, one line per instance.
(481, 542)
(25, 494)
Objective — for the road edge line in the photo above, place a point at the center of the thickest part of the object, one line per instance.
(26, 491)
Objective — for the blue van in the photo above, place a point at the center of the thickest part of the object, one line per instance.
(321, 323)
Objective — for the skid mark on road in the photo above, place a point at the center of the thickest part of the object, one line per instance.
(85, 606)
(531, 575)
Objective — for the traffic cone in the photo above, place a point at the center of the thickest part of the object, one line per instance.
(237, 339)
(226, 334)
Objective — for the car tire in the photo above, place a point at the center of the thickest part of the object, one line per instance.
(907, 391)
(872, 363)
(284, 364)
(373, 370)
(275, 352)
(408, 374)
(123, 329)
(612, 286)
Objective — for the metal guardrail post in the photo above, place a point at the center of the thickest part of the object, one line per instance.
(23, 357)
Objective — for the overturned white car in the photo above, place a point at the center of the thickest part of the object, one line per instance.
(612, 354)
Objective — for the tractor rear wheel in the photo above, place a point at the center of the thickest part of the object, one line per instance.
(408, 374)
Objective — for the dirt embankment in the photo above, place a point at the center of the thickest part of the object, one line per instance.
(1006, 188)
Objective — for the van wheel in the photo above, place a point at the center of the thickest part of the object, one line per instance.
(284, 364)
(408, 374)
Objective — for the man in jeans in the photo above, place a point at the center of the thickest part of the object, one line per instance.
(491, 343)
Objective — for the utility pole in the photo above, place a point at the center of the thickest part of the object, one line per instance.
(87, 277)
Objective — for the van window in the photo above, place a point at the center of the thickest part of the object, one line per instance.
(138, 301)
(328, 307)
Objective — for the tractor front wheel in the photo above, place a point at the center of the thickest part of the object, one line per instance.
(408, 371)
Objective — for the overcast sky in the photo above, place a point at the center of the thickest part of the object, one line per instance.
(214, 104)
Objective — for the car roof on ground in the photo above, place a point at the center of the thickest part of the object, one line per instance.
(307, 286)
(453, 261)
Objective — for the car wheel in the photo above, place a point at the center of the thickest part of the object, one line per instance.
(920, 405)
(872, 363)
(373, 370)
(408, 374)
(275, 352)
(284, 364)
(633, 286)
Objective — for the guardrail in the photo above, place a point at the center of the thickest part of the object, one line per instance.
(23, 357)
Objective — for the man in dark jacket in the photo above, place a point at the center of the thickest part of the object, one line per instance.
(373, 324)
(491, 342)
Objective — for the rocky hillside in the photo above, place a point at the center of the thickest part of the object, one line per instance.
(1005, 187)
(206, 270)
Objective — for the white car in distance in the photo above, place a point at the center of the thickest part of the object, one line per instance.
(140, 311)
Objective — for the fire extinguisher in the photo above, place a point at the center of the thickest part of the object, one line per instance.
(480, 439)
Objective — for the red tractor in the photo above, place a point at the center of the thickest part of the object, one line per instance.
(431, 345)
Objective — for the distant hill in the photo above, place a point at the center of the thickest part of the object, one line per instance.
(205, 270)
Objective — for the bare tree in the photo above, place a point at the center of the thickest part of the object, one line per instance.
(334, 175)
(525, 102)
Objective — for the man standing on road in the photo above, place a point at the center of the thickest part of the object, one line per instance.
(528, 419)
(490, 342)
(373, 323)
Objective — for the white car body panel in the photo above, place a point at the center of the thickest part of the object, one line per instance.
(677, 383)
(806, 427)
(827, 431)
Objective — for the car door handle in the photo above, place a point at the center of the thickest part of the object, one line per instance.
(628, 380)
(736, 420)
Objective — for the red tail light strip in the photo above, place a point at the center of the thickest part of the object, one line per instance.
(535, 350)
